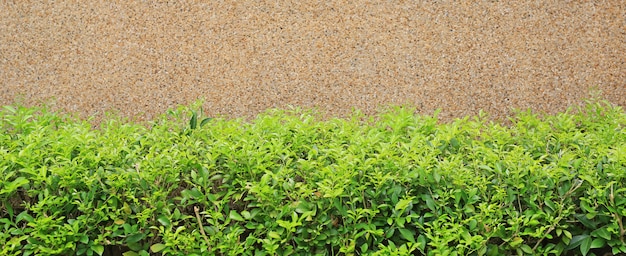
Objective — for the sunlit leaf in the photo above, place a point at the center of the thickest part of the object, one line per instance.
(157, 247)
(235, 216)
(98, 249)
(403, 204)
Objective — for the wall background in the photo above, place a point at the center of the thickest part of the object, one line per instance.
(242, 57)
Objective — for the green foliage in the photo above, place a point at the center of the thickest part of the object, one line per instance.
(287, 183)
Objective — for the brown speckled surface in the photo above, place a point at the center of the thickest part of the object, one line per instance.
(242, 57)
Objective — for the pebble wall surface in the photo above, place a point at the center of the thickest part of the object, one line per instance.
(139, 58)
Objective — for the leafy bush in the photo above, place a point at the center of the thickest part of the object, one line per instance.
(288, 183)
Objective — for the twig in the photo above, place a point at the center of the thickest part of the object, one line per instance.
(552, 227)
(558, 219)
(206, 239)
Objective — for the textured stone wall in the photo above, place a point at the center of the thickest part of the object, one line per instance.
(242, 57)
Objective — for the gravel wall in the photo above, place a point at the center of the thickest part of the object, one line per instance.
(141, 57)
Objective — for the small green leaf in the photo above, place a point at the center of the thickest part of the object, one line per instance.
(84, 239)
(246, 215)
(585, 221)
(194, 192)
(205, 121)
(9, 210)
(567, 234)
(364, 248)
(407, 235)
(485, 167)
(303, 207)
(235, 216)
(587, 208)
(602, 232)
(339, 205)
(429, 202)
(455, 143)
(164, 221)
(98, 249)
(273, 234)
(6, 221)
(135, 238)
(177, 214)
(550, 204)
(585, 245)
(157, 247)
(421, 240)
(14, 185)
(24, 216)
(499, 167)
(126, 209)
(517, 241)
(212, 197)
(400, 221)
(194, 175)
(472, 224)
(598, 243)
(436, 176)
(591, 215)
(525, 248)
(402, 204)
(193, 122)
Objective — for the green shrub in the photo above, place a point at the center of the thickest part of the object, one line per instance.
(288, 183)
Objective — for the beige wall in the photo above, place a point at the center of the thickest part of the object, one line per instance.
(245, 56)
